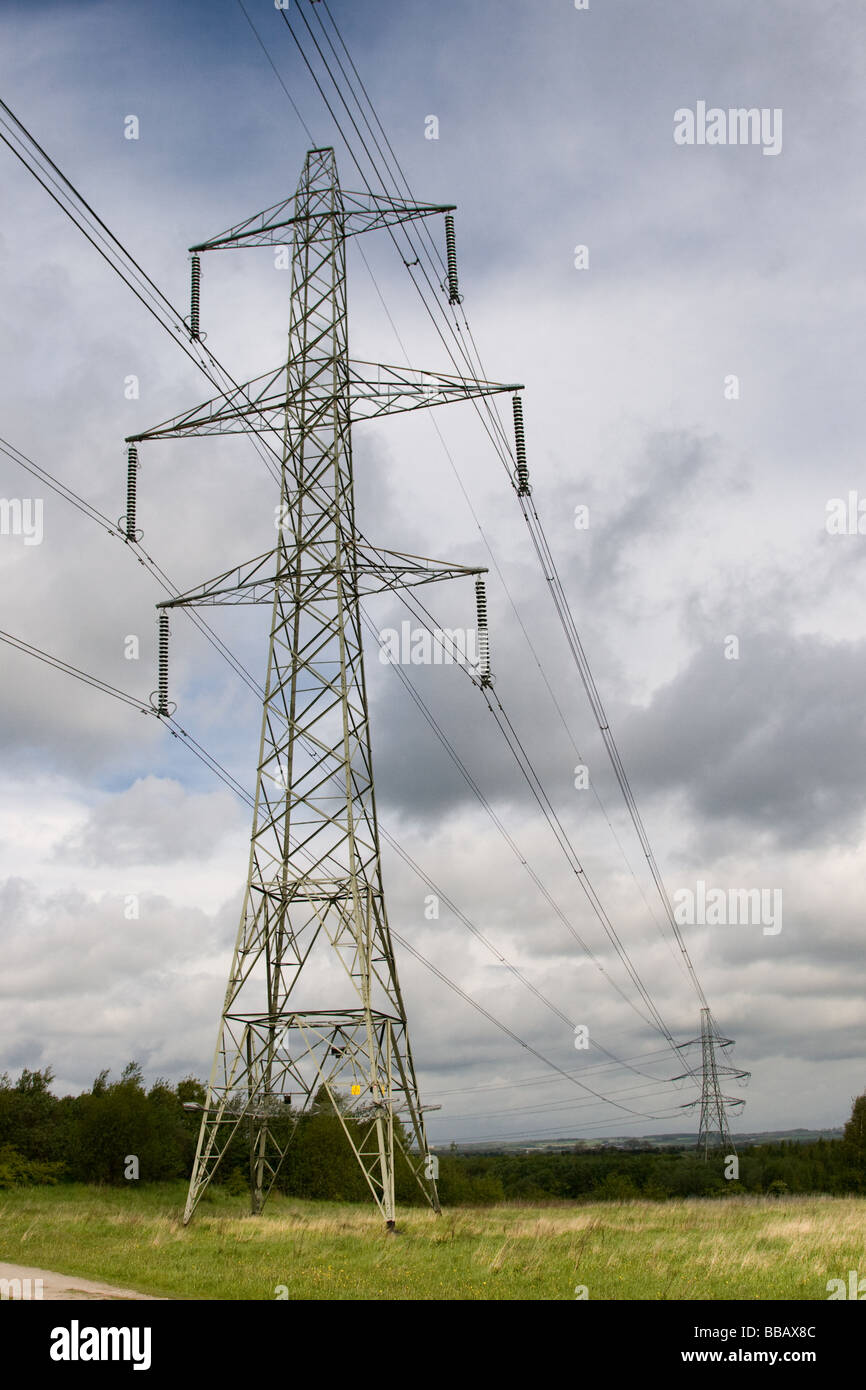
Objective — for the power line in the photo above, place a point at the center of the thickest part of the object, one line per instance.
(544, 803)
(503, 1028)
(310, 135)
(143, 706)
(133, 701)
(530, 513)
(656, 1055)
(556, 1130)
(466, 774)
(554, 1106)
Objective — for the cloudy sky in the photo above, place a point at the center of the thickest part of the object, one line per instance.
(707, 501)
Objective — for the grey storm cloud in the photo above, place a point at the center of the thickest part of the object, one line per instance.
(774, 741)
(153, 821)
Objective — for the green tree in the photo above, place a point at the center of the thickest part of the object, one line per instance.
(28, 1114)
(854, 1134)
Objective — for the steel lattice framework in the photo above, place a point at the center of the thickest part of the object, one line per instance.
(314, 927)
(713, 1129)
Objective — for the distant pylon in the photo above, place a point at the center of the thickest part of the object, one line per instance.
(313, 1013)
(713, 1131)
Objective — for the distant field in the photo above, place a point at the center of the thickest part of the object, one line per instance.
(750, 1247)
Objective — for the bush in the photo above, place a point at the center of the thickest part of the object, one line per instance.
(18, 1171)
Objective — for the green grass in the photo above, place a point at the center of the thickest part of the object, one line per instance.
(739, 1247)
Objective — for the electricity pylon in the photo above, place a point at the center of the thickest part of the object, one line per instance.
(313, 1010)
(713, 1130)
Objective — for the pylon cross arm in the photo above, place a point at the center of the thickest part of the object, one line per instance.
(238, 585)
(261, 405)
(254, 406)
(374, 571)
(360, 212)
(725, 1100)
(376, 389)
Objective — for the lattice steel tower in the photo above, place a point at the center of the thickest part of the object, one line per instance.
(713, 1130)
(313, 1007)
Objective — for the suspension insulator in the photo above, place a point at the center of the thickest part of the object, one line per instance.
(131, 482)
(454, 295)
(523, 488)
(483, 635)
(194, 296)
(162, 681)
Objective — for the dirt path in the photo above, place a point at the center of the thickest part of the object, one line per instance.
(60, 1287)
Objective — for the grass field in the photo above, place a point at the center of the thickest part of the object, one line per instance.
(750, 1247)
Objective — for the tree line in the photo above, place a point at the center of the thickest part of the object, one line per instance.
(92, 1137)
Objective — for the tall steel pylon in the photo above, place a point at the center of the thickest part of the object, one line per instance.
(713, 1130)
(313, 1008)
